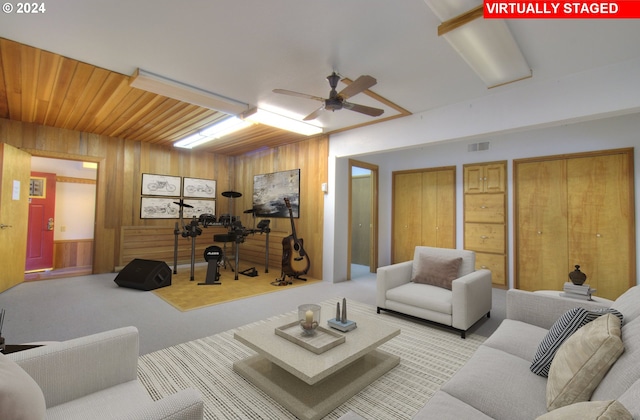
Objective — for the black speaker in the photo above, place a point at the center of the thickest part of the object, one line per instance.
(144, 275)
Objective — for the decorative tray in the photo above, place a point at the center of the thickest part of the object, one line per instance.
(323, 340)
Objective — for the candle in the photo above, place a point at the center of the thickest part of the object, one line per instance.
(309, 316)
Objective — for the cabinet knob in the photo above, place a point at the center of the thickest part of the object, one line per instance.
(483, 266)
(484, 237)
(483, 207)
(539, 232)
(598, 235)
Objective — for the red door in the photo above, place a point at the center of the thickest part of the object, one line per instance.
(42, 204)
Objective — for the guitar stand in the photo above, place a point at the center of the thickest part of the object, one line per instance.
(282, 281)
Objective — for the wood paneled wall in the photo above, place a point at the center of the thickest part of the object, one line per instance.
(121, 163)
(311, 156)
(73, 253)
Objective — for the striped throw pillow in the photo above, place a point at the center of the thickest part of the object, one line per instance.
(562, 329)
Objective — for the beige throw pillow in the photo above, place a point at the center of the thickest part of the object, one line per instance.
(582, 361)
(436, 271)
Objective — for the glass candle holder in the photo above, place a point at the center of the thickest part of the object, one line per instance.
(309, 317)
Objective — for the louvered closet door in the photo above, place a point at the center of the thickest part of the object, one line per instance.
(541, 225)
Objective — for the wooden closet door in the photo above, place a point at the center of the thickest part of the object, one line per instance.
(541, 225)
(600, 220)
(429, 205)
(407, 215)
(424, 211)
(446, 209)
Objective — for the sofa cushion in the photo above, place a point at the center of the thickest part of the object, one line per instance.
(517, 338)
(630, 398)
(435, 298)
(627, 303)
(435, 270)
(20, 396)
(500, 385)
(443, 406)
(582, 361)
(560, 331)
(626, 371)
(589, 410)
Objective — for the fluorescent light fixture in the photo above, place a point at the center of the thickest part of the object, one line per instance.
(487, 45)
(261, 116)
(220, 129)
(90, 165)
(160, 85)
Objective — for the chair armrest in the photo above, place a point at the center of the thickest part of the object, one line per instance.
(391, 276)
(543, 309)
(471, 298)
(183, 405)
(71, 369)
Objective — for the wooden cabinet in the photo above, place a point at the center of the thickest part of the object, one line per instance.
(485, 217)
(576, 209)
(424, 210)
(485, 178)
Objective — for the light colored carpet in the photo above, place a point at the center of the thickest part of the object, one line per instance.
(429, 356)
(185, 294)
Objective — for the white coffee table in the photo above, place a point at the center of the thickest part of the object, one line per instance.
(311, 385)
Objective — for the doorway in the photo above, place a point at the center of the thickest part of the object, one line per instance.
(363, 219)
(73, 222)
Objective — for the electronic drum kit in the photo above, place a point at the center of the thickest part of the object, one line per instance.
(214, 255)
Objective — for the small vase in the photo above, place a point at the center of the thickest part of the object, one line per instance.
(577, 277)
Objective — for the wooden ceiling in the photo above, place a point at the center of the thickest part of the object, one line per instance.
(44, 88)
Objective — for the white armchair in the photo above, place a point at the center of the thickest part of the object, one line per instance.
(468, 300)
(95, 377)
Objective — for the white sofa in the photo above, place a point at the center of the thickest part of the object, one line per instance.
(459, 308)
(497, 383)
(92, 377)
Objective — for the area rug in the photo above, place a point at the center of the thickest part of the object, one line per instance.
(429, 357)
(185, 294)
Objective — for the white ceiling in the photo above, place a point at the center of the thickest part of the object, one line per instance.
(243, 49)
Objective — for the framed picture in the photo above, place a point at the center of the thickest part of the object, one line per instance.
(158, 208)
(270, 190)
(196, 187)
(198, 207)
(153, 184)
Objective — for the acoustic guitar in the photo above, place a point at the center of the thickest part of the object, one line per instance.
(295, 260)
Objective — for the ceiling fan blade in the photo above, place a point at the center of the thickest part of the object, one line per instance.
(315, 114)
(297, 94)
(363, 109)
(361, 83)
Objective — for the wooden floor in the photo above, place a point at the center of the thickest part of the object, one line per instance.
(186, 294)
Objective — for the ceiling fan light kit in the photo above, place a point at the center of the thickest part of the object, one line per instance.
(161, 85)
(262, 116)
(487, 45)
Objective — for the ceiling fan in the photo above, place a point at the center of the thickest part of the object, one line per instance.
(337, 101)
